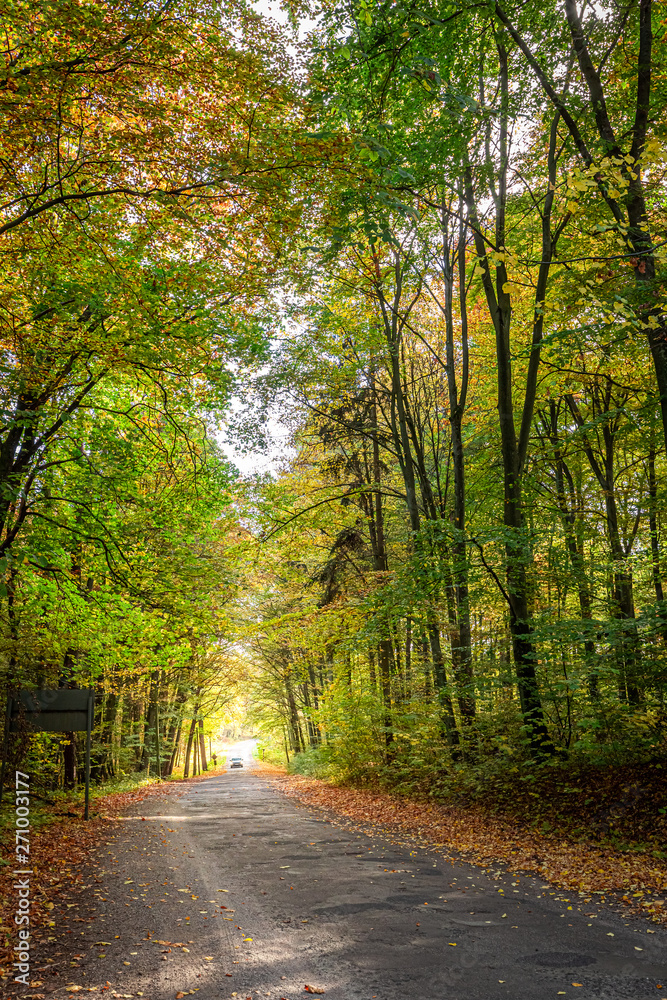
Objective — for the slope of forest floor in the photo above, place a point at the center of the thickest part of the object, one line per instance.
(621, 806)
(634, 880)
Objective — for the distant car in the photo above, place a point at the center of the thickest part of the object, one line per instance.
(236, 761)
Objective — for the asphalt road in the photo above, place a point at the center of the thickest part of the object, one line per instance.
(232, 890)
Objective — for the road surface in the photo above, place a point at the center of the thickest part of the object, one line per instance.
(231, 890)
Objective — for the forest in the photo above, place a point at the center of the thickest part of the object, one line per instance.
(334, 390)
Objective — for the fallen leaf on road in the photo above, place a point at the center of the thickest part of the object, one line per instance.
(314, 989)
(208, 958)
(577, 984)
(483, 837)
(73, 989)
(179, 996)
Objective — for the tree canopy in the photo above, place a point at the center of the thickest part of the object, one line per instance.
(428, 242)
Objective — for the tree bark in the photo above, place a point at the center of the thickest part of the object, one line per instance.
(461, 641)
(188, 749)
(656, 569)
(570, 508)
(202, 745)
(513, 447)
(623, 608)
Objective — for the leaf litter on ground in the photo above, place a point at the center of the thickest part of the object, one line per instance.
(594, 872)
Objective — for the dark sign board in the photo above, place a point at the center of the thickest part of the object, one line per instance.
(55, 710)
(60, 710)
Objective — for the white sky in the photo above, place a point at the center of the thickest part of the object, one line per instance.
(270, 460)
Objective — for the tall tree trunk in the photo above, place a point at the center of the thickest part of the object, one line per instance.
(384, 663)
(408, 658)
(514, 447)
(173, 760)
(151, 723)
(297, 740)
(371, 670)
(188, 749)
(380, 566)
(103, 767)
(202, 745)
(310, 727)
(447, 717)
(626, 639)
(71, 774)
(461, 639)
(570, 508)
(401, 432)
(656, 572)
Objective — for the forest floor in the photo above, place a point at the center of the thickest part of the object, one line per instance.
(68, 857)
(143, 902)
(634, 880)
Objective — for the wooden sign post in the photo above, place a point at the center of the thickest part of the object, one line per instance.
(55, 710)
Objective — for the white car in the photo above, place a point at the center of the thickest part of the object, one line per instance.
(236, 761)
